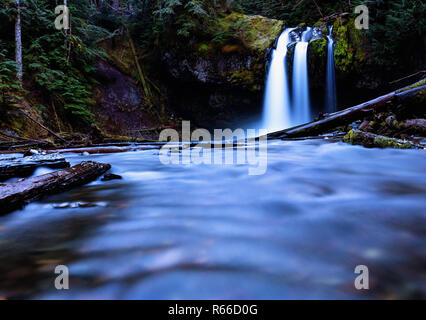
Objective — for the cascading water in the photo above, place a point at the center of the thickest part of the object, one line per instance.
(301, 103)
(331, 99)
(276, 114)
(279, 112)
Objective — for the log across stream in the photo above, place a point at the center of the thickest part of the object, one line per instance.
(15, 194)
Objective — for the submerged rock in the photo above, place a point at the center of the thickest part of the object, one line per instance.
(111, 176)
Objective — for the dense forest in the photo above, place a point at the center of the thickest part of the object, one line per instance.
(59, 79)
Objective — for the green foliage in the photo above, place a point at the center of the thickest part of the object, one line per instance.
(184, 16)
(396, 33)
(9, 86)
(60, 65)
(395, 37)
(293, 12)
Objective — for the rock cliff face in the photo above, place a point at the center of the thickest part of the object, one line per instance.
(218, 83)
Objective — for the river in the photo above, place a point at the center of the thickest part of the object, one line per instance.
(215, 232)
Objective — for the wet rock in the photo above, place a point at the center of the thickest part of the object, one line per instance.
(414, 126)
(371, 140)
(80, 204)
(111, 176)
(391, 122)
(365, 126)
(31, 152)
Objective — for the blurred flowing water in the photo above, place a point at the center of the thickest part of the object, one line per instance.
(214, 232)
(301, 100)
(276, 106)
(331, 95)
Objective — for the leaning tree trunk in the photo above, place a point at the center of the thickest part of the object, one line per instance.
(18, 43)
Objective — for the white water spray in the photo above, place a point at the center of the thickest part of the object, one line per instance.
(276, 114)
(330, 98)
(301, 101)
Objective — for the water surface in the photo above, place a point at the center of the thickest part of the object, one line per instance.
(214, 232)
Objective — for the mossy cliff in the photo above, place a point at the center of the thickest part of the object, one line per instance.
(225, 66)
(350, 53)
(233, 54)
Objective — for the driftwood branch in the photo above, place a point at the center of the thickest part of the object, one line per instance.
(42, 126)
(141, 75)
(16, 194)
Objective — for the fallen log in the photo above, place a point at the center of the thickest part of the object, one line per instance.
(371, 140)
(21, 144)
(98, 150)
(16, 194)
(410, 96)
(25, 166)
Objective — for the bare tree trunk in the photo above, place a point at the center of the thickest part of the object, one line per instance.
(18, 40)
(66, 32)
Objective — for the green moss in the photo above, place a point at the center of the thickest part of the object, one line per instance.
(205, 49)
(413, 86)
(350, 47)
(349, 137)
(379, 141)
(318, 24)
(317, 57)
(242, 78)
(384, 142)
(257, 33)
(318, 47)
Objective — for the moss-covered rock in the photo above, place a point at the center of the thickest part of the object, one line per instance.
(233, 56)
(370, 140)
(350, 52)
(257, 33)
(317, 61)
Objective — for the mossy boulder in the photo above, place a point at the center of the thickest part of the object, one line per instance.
(257, 33)
(370, 140)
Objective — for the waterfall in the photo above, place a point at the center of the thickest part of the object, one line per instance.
(301, 103)
(331, 99)
(276, 107)
(279, 111)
